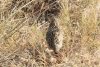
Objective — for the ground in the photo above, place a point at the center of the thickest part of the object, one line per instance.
(23, 45)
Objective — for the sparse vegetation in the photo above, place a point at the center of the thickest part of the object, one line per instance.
(23, 40)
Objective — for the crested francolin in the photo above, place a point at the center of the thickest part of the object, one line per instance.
(54, 35)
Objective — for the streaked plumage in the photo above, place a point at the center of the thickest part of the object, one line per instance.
(54, 36)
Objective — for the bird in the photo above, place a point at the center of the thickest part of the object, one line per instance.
(54, 35)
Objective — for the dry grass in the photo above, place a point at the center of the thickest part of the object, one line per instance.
(25, 46)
